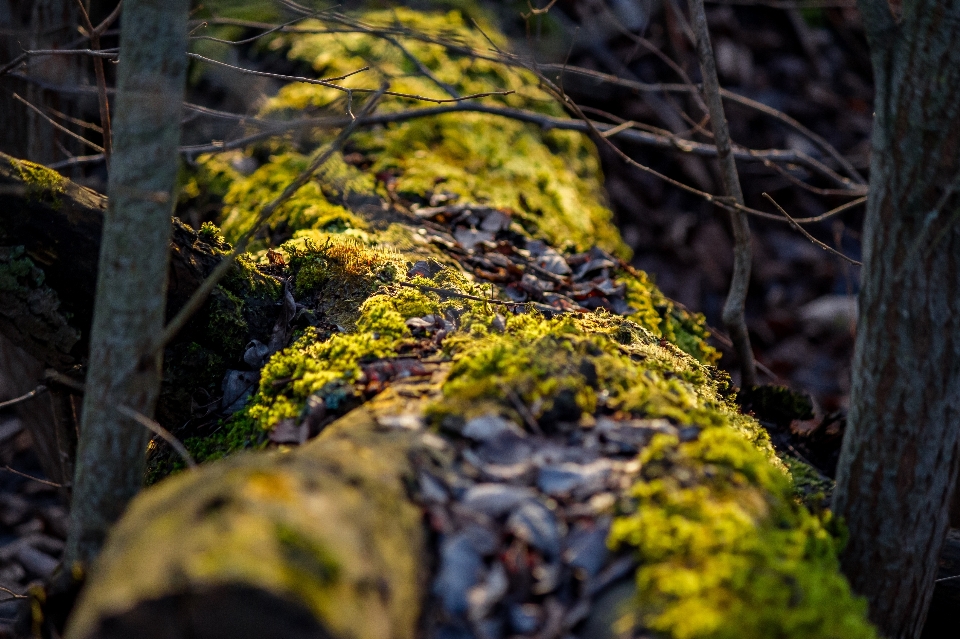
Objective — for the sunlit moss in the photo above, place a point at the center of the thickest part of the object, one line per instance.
(725, 550)
(42, 183)
(550, 179)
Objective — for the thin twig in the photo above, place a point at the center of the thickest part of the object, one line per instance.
(58, 126)
(735, 306)
(36, 479)
(79, 159)
(66, 381)
(199, 296)
(825, 247)
(582, 124)
(161, 432)
(14, 595)
(727, 94)
(73, 120)
(329, 83)
(259, 35)
(16, 400)
(103, 103)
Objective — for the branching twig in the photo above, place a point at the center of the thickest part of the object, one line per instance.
(161, 432)
(735, 307)
(101, 78)
(59, 126)
(13, 595)
(582, 124)
(329, 83)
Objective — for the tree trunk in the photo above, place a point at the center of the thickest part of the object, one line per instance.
(132, 275)
(901, 453)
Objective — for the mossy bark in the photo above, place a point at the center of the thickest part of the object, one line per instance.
(320, 542)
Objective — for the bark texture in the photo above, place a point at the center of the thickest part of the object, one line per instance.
(132, 276)
(901, 454)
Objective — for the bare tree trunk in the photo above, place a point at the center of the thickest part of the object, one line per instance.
(901, 453)
(132, 275)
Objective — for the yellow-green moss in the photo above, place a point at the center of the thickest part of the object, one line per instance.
(661, 316)
(550, 179)
(727, 552)
(41, 182)
(309, 208)
(330, 367)
(563, 367)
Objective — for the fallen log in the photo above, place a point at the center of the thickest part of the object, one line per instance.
(484, 422)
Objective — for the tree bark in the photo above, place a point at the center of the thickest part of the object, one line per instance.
(132, 275)
(901, 453)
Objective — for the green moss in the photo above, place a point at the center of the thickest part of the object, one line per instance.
(658, 314)
(550, 179)
(314, 206)
(726, 551)
(304, 555)
(561, 368)
(813, 489)
(777, 404)
(335, 274)
(227, 327)
(211, 234)
(42, 183)
(18, 273)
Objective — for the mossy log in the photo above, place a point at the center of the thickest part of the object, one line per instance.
(440, 279)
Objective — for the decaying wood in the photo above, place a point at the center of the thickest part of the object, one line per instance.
(320, 542)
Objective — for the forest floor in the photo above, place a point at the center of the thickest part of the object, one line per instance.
(812, 64)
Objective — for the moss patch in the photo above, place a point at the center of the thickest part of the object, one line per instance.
(726, 551)
(42, 183)
(550, 179)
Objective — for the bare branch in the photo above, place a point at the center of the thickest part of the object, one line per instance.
(13, 595)
(819, 141)
(32, 478)
(329, 83)
(103, 103)
(161, 432)
(17, 400)
(58, 126)
(585, 125)
(735, 306)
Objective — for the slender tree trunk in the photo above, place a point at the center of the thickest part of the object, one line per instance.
(132, 275)
(901, 454)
